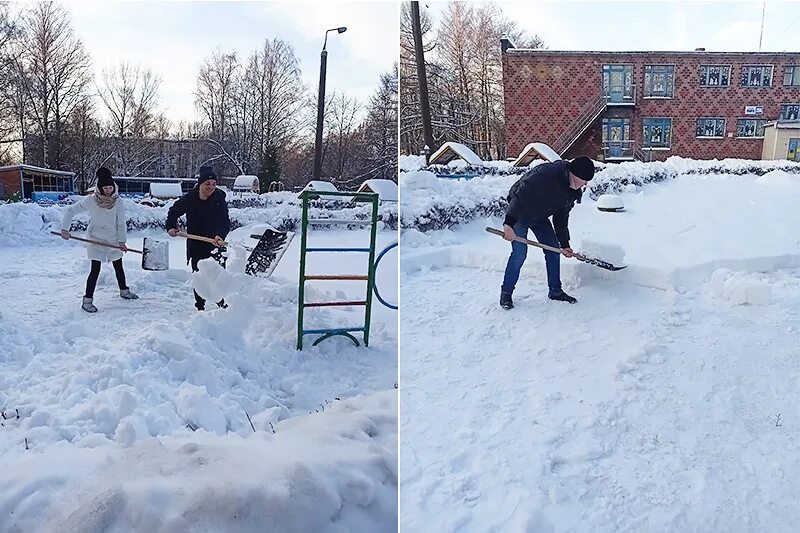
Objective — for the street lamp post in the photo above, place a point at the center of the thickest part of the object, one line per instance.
(321, 103)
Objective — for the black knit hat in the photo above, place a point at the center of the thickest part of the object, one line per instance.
(104, 178)
(582, 167)
(206, 173)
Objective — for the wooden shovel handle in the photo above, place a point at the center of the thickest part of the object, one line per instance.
(199, 238)
(98, 243)
(526, 241)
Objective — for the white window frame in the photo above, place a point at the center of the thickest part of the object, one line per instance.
(771, 76)
(724, 127)
(748, 118)
(644, 82)
(730, 76)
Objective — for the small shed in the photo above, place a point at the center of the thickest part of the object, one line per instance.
(317, 185)
(386, 190)
(165, 191)
(36, 183)
(246, 183)
(450, 151)
(535, 151)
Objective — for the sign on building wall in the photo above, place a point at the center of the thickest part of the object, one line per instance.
(754, 110)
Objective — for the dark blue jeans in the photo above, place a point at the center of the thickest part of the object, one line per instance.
(545, 234)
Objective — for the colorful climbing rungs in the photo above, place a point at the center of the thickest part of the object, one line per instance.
(369, 278)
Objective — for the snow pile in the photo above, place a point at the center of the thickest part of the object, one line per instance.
(214, 283)
(409, 163)
(740, 288)
(334, 471)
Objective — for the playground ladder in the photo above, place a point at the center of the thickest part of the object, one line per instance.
(369, 277)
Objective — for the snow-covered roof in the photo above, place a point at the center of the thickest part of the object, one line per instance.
(166, 190)
(535, 151)
(386, 189)
(245, 181)
(31, 168)
(450, 150)
(318, 185)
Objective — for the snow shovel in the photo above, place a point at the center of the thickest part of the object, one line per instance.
(268, 251)
(580, 257)
(150, 260)
(264, 256)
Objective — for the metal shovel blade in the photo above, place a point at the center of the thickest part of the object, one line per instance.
(269, 250)
(599, 263)
(155, 254)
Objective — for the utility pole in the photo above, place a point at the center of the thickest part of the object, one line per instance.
(427, 130)
(761, 36)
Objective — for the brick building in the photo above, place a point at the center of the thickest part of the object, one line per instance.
(618, 106)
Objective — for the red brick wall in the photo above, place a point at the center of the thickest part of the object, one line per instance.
(10, 181)
(545, 91)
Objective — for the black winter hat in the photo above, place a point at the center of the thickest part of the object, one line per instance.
(104, 178)
(206, 173)
(582, 167)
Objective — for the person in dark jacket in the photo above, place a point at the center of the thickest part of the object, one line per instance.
(547, 190)
(206, 215)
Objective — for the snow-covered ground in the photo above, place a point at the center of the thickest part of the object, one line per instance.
(666, 399)
(136, 418)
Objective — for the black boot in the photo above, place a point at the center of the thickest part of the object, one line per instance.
(505, 301)
(561, 296)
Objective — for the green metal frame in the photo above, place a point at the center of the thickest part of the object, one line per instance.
(370, 278)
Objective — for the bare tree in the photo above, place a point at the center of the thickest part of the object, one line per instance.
(380, 130)
(54, 76)
(130, 94)
(464, 77)
(10, 101)
(340, 119)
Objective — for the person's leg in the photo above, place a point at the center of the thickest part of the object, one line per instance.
(545, 234)
(120, 274)
(91, 281)
(199, 302)
(519, 252)
(124, 290)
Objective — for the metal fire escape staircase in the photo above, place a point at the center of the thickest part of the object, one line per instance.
(590, 112)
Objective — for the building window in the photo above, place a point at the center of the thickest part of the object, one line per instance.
(791, 75)
(757, 76)
(658, 81)
(715, 75)
(710, 127)
(657, 132)
(790, 112)
(750, 127)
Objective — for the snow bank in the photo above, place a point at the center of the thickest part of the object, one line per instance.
(334, 471)
(28, 223)
(431, 203)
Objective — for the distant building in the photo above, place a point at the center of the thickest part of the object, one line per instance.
(35, 183)
(618, 106)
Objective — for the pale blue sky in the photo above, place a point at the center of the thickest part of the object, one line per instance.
(173, 38)
(677, 26)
